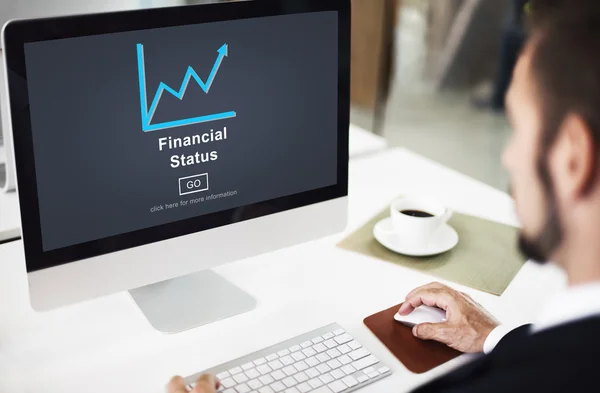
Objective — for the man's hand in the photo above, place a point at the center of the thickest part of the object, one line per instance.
(205, 384)
(467, 323)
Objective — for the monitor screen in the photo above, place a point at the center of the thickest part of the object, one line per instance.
(138, 129)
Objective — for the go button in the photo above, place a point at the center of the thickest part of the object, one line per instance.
(193, 184)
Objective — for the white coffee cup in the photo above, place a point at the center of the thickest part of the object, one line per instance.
(414, 231)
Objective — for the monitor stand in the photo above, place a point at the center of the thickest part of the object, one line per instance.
(183, 303)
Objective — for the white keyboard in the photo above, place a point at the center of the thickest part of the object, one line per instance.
(327, 360)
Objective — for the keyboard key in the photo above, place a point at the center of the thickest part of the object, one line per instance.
(255, 384)
(362, 378)
(383, 370)
(304, 387)
(348, 369)
(276, 365)
(330, 344)
(247, 366)
(344, 349)
(312, 373)
(306, 344)
(317, 340)
(327, 336)
(308, 352)
(322, 389)
(243, 388)
(338, 374)
(295, 348)
(368, 370)
(337, 386)
(334, 353)
(365, 362)
(350, 381)
(354, 344)
(315, 383)
(289, 370)
(297, 356)
(266, 380)
(343, 338)
(345, 359)
(264, 369)
(240, 378)
(286, 360)
(265, 389)
(339, 331)
(312, 362)
(223, 375)
(323, 368)
(230, 390)
(272, 357)
(301, 365)
(359, 354)
(334, 364)
(374, 374)
(235, 370)
(283, 352)
(278, 387)
(292, 390)
(252, 374)
(323, 357)
(301, 377)
(320, 348)
(327, 378)
(278, 375)
(260, 361)
(289, 382)
(228, 383)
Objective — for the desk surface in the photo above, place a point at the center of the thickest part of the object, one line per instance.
(106, 345)
(10, 219)
(363, 142)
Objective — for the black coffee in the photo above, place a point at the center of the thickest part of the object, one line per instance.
(416, 213)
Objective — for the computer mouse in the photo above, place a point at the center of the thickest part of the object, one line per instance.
(422, 314)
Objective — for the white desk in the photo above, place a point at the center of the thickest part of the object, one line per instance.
(363, 142)
(107, 346)
(10, 219)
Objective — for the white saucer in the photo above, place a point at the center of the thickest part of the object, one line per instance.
(444, 240)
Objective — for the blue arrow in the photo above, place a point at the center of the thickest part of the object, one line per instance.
(205, 86)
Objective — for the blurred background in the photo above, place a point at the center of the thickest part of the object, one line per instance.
(427, 75)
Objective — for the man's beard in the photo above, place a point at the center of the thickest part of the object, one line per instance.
(541, 248)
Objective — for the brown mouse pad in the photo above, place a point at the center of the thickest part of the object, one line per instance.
(417, 355)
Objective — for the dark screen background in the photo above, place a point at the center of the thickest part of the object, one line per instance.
(99, 175)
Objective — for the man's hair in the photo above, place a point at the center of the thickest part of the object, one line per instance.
(566, 63)
(565, 66)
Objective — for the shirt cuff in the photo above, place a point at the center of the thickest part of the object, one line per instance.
(495, 336)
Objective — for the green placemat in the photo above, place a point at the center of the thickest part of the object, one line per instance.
(486, 257)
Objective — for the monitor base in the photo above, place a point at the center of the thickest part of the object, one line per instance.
(190, 301)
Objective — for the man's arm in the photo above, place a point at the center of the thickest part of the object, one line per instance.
(468, 328)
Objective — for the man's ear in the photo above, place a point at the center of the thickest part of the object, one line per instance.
(573, 159)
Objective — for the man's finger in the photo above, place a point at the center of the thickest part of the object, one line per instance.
(439, 298)
(176, 385)
(206, 384)
(431, 331)
(431, 285)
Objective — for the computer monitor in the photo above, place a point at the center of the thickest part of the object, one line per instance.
(153, 144)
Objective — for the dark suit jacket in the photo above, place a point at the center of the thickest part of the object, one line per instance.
(561, 359)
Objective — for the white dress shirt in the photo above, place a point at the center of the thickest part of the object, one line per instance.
(573, 304)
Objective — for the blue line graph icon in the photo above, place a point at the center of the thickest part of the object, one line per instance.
(148, 112)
